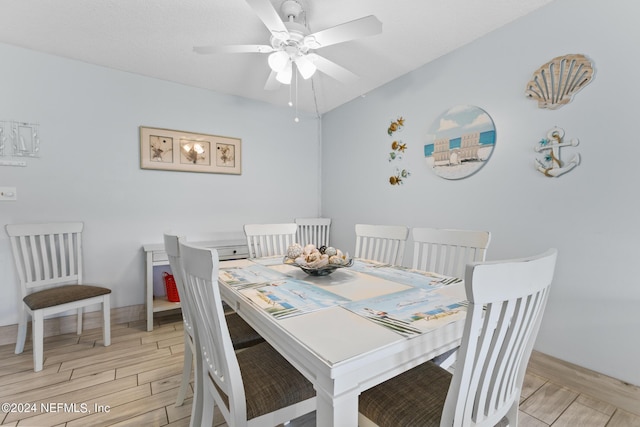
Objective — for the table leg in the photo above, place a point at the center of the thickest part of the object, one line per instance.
(340, 411)
(149, 290)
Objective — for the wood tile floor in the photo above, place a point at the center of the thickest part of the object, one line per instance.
(134, 382)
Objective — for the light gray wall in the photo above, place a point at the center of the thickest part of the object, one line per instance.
(89, 169)
(590, 214)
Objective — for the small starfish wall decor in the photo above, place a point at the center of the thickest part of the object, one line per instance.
(398, 148)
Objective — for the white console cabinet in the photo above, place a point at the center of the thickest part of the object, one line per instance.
(155, 255)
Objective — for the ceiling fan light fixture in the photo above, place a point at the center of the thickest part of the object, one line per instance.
(292, 43)
(305, 66)
(285, 75)
(278, 60)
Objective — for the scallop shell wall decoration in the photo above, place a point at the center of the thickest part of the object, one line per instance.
(554, 84)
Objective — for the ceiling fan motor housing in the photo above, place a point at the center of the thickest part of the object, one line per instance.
(291, 9)
(294, 39)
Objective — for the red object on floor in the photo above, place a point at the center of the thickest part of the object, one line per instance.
(170, 285)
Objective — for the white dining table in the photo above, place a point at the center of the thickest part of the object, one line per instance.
(341, 352)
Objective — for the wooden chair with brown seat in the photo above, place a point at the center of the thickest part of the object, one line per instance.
(48, 259)
(447, 252)
(381, 243)
(254, 387)
(313, 230)
(242, 335)
(266, 240)
(506, 304)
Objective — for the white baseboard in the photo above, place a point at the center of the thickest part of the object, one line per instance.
(67, 324)
(613, 391)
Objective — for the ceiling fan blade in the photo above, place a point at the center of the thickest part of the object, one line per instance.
(363, 27)
(332, 69)
(269, 16)
(239, 48)
(272, 83)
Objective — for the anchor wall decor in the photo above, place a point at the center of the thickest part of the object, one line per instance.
(551, 165)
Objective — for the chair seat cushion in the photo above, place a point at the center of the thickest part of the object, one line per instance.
(242, 335)
(275, 383)
(413, 398)
(270, 382)
(62, 295)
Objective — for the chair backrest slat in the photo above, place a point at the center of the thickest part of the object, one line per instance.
(26, 270)
(46, 254)
(39, 250)
(313, 230)
(58, 266)
(506, 303)
(266, 240)
(448, 251)
(382, 243)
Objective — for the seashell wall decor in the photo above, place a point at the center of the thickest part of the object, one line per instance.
(551, 165)
(395, 126)
(556, 82)
(400, 172)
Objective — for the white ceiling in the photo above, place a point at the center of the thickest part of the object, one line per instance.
(155, 38)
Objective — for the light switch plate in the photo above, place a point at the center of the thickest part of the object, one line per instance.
(8, 194)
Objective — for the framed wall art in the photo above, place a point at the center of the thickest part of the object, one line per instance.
(460, 142)
(175, 150)
(18, 139)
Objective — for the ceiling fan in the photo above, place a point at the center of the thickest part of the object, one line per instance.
(292, 43)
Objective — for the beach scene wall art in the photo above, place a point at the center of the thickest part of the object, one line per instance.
(460, 142)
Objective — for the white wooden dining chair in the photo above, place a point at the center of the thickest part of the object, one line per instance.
(254, 387)
(266, 240)
(48, 259)
(382, 243)
(313, 230)
(448, 251)
(242, 335)
(506, 304)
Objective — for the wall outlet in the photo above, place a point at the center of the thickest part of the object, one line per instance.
(8, 194)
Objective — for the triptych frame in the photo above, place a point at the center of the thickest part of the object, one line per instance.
(175, 150)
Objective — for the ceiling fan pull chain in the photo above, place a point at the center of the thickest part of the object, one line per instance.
(290, 100)
(296, 119)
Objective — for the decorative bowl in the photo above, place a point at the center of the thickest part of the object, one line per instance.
(322, 271)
